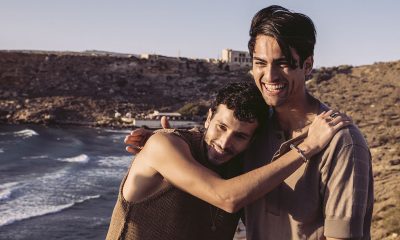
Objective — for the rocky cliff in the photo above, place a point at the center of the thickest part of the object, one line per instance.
(83, 88)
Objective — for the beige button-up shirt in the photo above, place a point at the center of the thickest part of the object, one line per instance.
(329, 196)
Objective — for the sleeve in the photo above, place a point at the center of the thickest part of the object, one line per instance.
(347, 192)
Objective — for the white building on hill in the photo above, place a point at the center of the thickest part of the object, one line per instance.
(241, 58)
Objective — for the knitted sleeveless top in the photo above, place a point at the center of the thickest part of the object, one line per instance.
(171, 214)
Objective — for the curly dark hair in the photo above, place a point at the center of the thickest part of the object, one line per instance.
(245, 100)
(290, 30)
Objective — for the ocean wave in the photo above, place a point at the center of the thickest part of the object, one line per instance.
(5, 194)
(26, 133)
(83, 158)
(36, 157)
(114, 161)
(40, 211)
(125, 131)
(7, 189)
(1, 150)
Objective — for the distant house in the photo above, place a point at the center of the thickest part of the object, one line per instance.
(241, 58)
(154, 57)
(170, 115)
(176, 120)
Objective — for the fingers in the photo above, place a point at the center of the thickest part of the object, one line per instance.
(129, 139)
(325, 114)
(137, 136)
(165, 122)
(329, 121)
(132, 149)
(330, 115)
(341, 121)
(335, 120)
(138, 132)
(340, 125)
(324, 127)
(136, 140)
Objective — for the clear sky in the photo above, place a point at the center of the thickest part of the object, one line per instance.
(354, 32)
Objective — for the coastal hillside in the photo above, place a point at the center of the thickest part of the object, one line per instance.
(89, 88)
(57, 87)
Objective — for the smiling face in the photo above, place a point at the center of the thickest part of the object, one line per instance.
(226, 136)
(278, 83)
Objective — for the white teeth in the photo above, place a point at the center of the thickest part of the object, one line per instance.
(274, 87)
(217, 149)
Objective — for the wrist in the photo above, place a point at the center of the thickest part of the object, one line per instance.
(308, 149)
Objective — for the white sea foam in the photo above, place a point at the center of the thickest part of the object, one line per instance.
(113, 161)
(36, 157)
(26, 133)
(7, 189)
(125, 131)
(9, 217)
(83, 158)
(5, 194)
(1, 150)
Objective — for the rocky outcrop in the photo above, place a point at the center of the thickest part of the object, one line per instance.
(52, 87)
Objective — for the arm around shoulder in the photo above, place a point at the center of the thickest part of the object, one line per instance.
(170, 156)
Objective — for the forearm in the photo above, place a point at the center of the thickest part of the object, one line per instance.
(230, 195)
(244, 189)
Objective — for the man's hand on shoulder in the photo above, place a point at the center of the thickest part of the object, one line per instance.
(138, 137)
(136, 140)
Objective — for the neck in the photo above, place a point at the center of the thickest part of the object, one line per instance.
(294, 117)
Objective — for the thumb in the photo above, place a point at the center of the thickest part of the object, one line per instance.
(164, 122)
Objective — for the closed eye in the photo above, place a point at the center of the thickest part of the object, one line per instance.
(222, 127)
(282, 63)
(259, 63)
(242, 136)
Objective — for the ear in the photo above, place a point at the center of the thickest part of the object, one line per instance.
(207, 122)
(308, 65)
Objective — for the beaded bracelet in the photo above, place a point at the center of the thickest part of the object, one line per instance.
(299, 151)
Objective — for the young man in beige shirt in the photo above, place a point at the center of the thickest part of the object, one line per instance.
(329, 198)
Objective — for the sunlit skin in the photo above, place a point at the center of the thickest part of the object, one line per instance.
(166, 157)
(226, 136)
(284, 87)
(279, 84)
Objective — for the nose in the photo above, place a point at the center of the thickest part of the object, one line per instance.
(225, 141)
(271, 73)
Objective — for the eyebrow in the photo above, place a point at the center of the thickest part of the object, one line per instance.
(275, 60)
(236, 132)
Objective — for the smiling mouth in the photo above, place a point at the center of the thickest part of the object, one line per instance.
(274, 88)
(219, 150)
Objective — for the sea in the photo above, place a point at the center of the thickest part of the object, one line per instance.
(60, 182)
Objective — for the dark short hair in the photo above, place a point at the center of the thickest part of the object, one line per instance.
(245, 100)
(289, 29)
